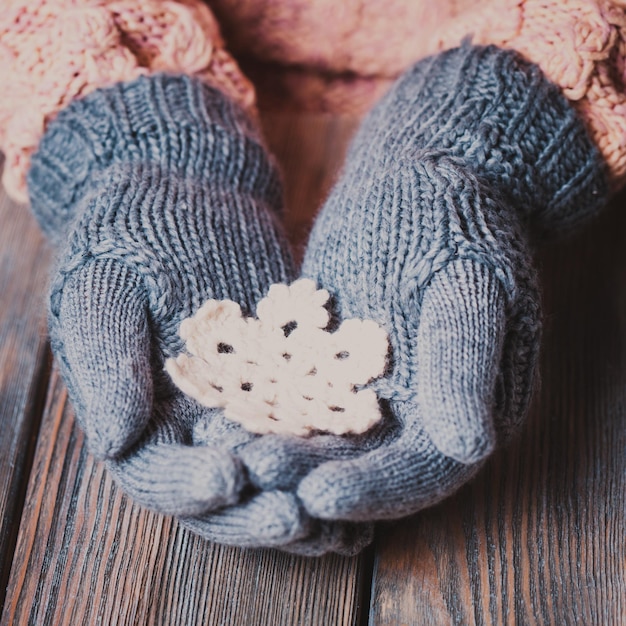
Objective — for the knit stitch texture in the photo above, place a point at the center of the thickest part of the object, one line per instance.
(159, 196)
(342, 57)
(426, 234)
(580, 45)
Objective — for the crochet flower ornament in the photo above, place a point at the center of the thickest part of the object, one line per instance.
(283, 372)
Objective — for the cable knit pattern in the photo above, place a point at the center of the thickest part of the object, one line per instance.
(579, 44)
(53, 51)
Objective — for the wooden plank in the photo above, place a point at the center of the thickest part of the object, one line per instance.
(86, 554)
(538, 538)
(310, 149)
(24, 363)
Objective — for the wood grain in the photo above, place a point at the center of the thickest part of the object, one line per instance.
(538, 538)
(24, 364)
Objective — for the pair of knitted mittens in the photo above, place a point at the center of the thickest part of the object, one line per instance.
(159, 195)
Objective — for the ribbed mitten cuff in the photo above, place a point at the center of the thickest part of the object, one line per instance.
(177, 123)
(505, 121)
(54, 51)
(579, 45)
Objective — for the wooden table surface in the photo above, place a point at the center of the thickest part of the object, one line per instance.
(537, 538)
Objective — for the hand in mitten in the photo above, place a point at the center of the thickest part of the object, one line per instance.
(161, 196)
(158, 195)
(426, 234)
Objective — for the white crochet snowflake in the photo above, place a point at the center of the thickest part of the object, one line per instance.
(283, 373)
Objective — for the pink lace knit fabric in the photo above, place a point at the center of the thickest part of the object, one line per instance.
(579, 44)
(52, 51)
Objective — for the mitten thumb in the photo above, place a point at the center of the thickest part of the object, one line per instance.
(459, 347)
(99, 331)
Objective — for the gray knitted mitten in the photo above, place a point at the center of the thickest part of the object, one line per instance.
(426, 234)
(159, 196)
